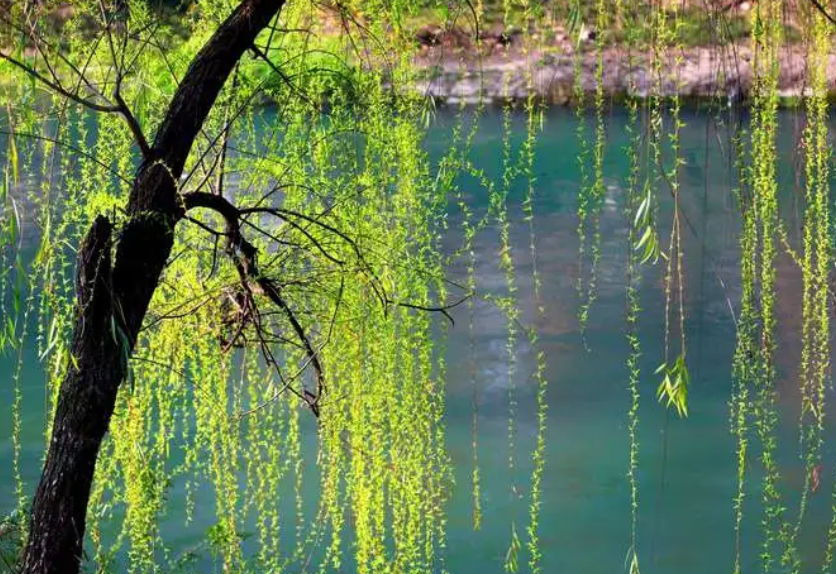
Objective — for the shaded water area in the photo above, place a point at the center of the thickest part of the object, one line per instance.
(687, 468)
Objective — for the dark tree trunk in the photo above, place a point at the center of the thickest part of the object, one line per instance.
(85, 403)
(113, 299)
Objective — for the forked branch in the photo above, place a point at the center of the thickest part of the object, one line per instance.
(244, 254)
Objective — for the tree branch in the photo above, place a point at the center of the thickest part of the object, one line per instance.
(58, 88)
(133, 125)
(66, 145)
(443, 309)
(823, 11)
(244, 254)
(285, 78)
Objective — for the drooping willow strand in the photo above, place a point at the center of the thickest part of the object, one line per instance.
(534, 121)
(585, 196)
(592, 195)
(742, 365)
(498, 202)
(633, 310)
(816, 263)
(766, 42)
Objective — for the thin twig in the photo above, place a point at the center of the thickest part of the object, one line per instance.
(823, 11)
(57, 87)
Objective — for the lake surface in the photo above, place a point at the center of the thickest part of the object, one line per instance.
(687, 468)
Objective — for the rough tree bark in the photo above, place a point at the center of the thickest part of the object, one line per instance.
(113, 298)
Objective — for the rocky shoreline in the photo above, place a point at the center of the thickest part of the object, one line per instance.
(694, 73)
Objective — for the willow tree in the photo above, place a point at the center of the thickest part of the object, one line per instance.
(243, 197)
(317, 252)
(114, 293)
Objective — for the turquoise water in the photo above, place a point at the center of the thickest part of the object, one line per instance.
(687, 468)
